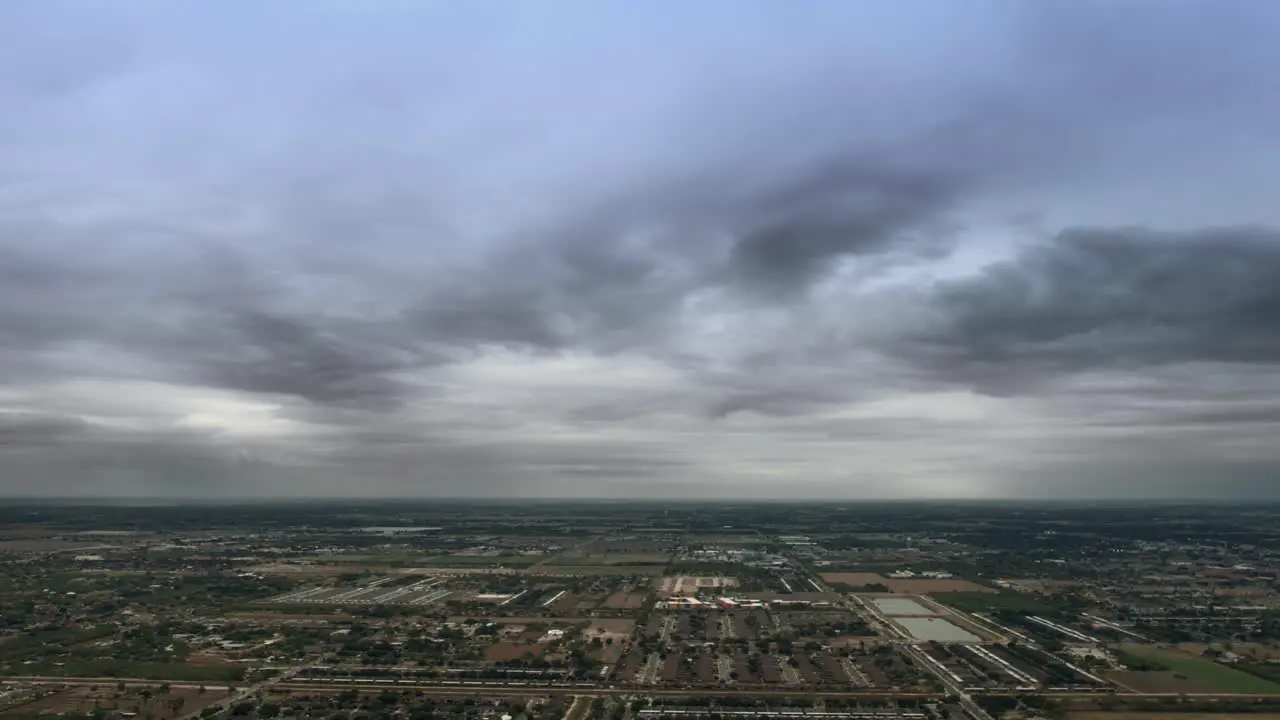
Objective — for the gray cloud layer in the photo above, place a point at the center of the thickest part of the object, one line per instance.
(746, 250)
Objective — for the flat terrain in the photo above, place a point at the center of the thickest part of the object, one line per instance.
(84, 700)
(906, 586)
(612, 558)
(530, 605)
(512, 651)
(1156, 681)
(624, 600)
(925, 586)
(855, 578)
(1203, 672)
(1249, 650)
(654, 570)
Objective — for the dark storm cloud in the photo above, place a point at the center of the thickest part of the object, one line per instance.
(275, 354)
(21, 431)
(506, 251)
(1092, 298)
(797, 401)
(614, 278)
(839, 212)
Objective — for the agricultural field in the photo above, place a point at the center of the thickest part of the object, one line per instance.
(855, 579)
(1180, 672)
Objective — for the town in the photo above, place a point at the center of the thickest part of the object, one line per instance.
(633, 610)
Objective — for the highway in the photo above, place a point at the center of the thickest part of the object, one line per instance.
(293, 684)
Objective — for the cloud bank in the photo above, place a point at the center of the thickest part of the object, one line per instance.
(605, 250)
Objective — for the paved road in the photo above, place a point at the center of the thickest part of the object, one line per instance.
(966, 701)
(579, 709)
(244, 693)
(525, 690)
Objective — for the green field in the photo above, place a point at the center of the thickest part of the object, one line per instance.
(1222, 677)
(402, 560)
(568, 570)
(993, 602)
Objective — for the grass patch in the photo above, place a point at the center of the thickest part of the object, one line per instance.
(1005, 600)
(481, 560)
(571, 570)
(127, 669)
(1222, 677)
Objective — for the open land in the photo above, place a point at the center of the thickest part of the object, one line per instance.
(617, 611)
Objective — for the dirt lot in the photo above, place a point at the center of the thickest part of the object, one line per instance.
(624, 600)
(617, 630)
(512, 651)
(565, 605)
(179, 701)
(855, 578)
(622, 626)
(1157, 682)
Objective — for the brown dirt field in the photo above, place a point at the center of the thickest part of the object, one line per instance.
(855, 578)
(1147, 681)
(609, 653)
(82, 700)
(566, 604)
(616, 629)
(624, 600)
(612, 625)
(511, 651)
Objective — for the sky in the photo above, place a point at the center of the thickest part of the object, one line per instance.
(732, 248)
